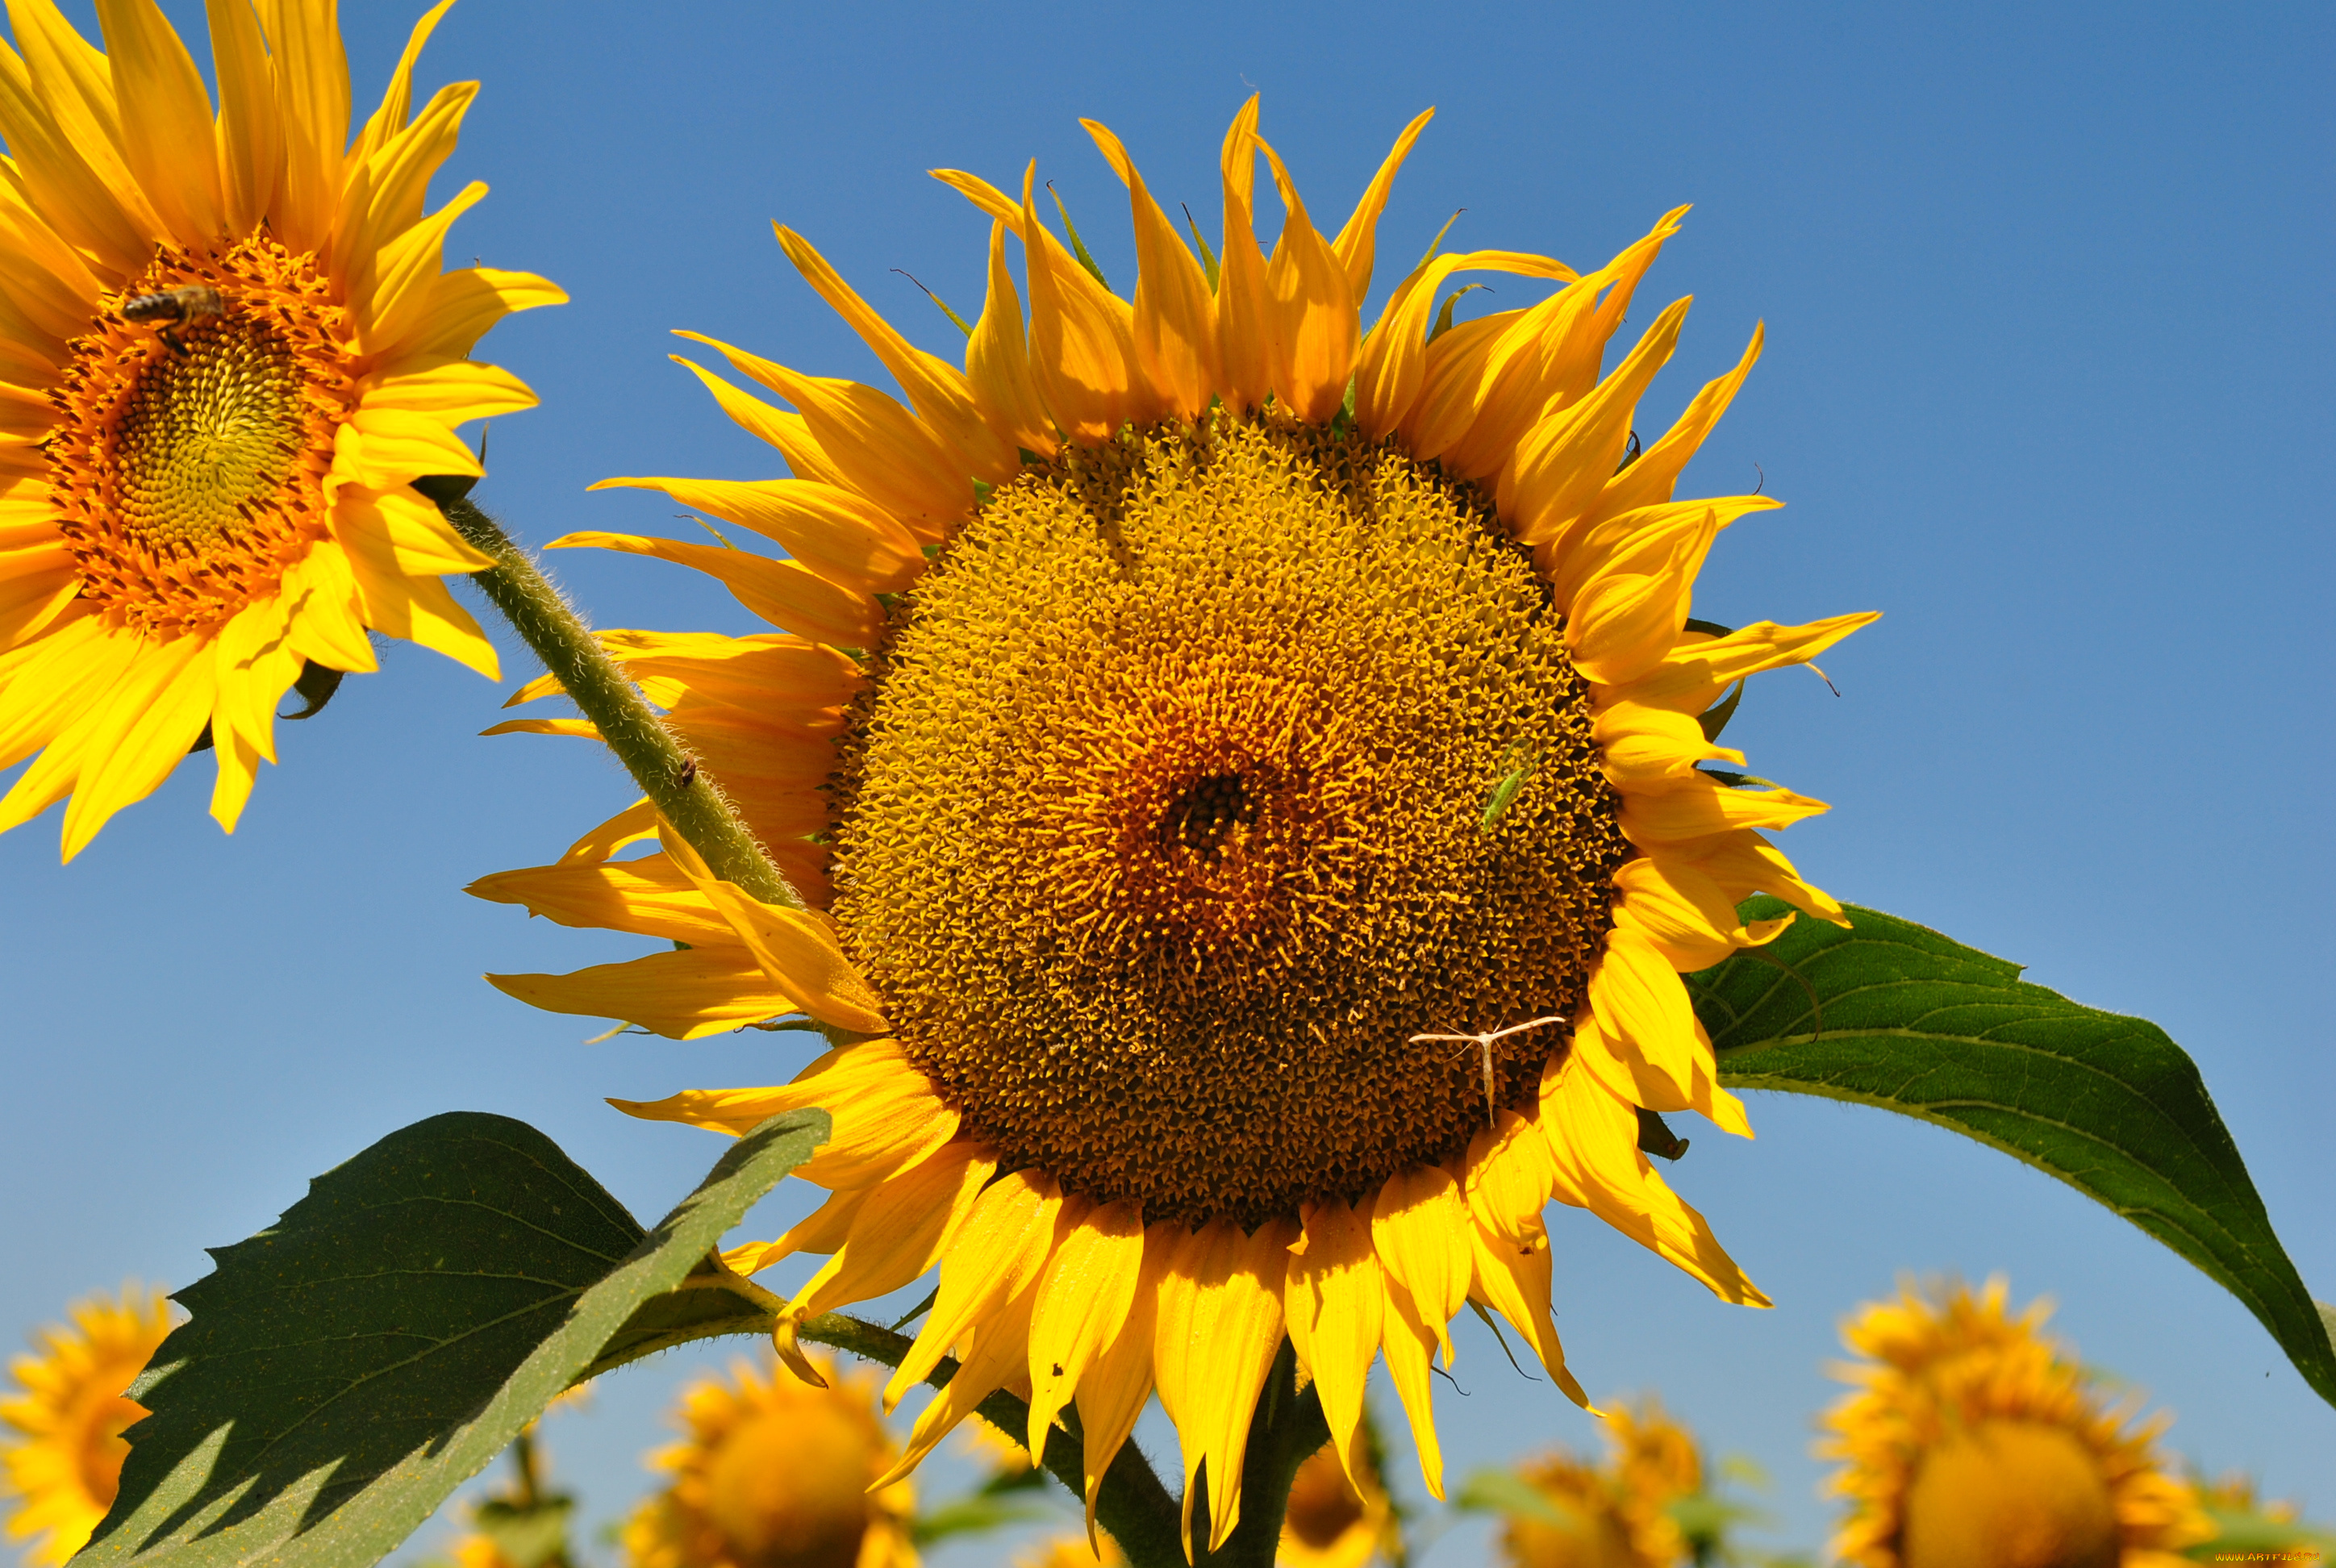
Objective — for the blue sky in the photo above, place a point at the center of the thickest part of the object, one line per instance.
(2047, 381)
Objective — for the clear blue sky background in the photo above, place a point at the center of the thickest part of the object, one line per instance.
(2046, 290)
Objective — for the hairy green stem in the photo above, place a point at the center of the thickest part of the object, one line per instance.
(666, 773)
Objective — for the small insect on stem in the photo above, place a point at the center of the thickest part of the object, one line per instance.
(180, 307)
(687, 776)
(1484, 1043)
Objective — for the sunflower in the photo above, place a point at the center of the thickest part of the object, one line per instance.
(1616, 1516)
(1974, 1439)
(63, 1455)
(775, 1473)
(1242, 772)
(226, 348)
(1334, 1521)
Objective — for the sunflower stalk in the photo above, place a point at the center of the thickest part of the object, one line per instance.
(668, 775)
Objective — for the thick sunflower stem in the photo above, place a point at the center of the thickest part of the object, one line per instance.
(668, 774)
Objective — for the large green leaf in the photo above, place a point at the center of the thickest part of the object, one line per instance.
(1892, 1014)
(347, 1369)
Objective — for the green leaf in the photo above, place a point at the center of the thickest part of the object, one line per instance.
(1895, 1015)
(347, 1369)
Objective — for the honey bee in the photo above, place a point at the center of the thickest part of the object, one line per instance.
(173, 308)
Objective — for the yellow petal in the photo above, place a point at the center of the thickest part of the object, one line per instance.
(825, 1229)
(878, 445)
(407, 271)
(166, 118)
(796, 947)
(1113, 1392)
(312, 74)
(322, 589)
(1082, 339)
(1693, 675)
(1582, 550)
(451, 391)
(1355, 245)
(1744, 864)
(456, 310)
(383, 448)
(1652, 748)
(1564, 460)
(1316, 328)
(1218, 1330)
(389, 119)
(1644, 1009)
(899, 1231)
(995, 1255)
(1391, 367)
(651, 897)
(993, 1357)
(1083, 1301)
(839, 535)
(997, 360)
(250, 141)
(1334, 1297)
(1406, 1341)
(1630, 611)
(1245, 326)
(886, 1115)
(942, 397)
(1594, 1138)
(141, 734)
(1513, 1278)
(1648, 481)
(683, 996)
(786, 593)
(1701, 806)
(789, 433)
(1175, 322)
(1420, 1227)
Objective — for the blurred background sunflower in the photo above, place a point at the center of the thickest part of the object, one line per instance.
(62, 1449)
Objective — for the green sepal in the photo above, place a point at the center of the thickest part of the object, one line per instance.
(1892, 1014)
(347, 1368)
(1078, 246)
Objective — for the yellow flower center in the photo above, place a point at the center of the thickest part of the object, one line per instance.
(2009, 1494)
(1203, 772)
(195, 430)
(788, 1488)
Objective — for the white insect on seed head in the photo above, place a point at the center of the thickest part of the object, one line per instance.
(1484, 1043)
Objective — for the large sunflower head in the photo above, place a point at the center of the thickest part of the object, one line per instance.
(61, 1457)
(1244, 770)
(774, 1471)
(1974, 1441)
(225, 349)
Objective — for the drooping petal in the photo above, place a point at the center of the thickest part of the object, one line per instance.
(1335, 1298)
(1084, 1296)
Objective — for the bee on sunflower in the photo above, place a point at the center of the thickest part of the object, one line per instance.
(61, 1457)
(1144, 695)
(227, 348)
(1974, 1440)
